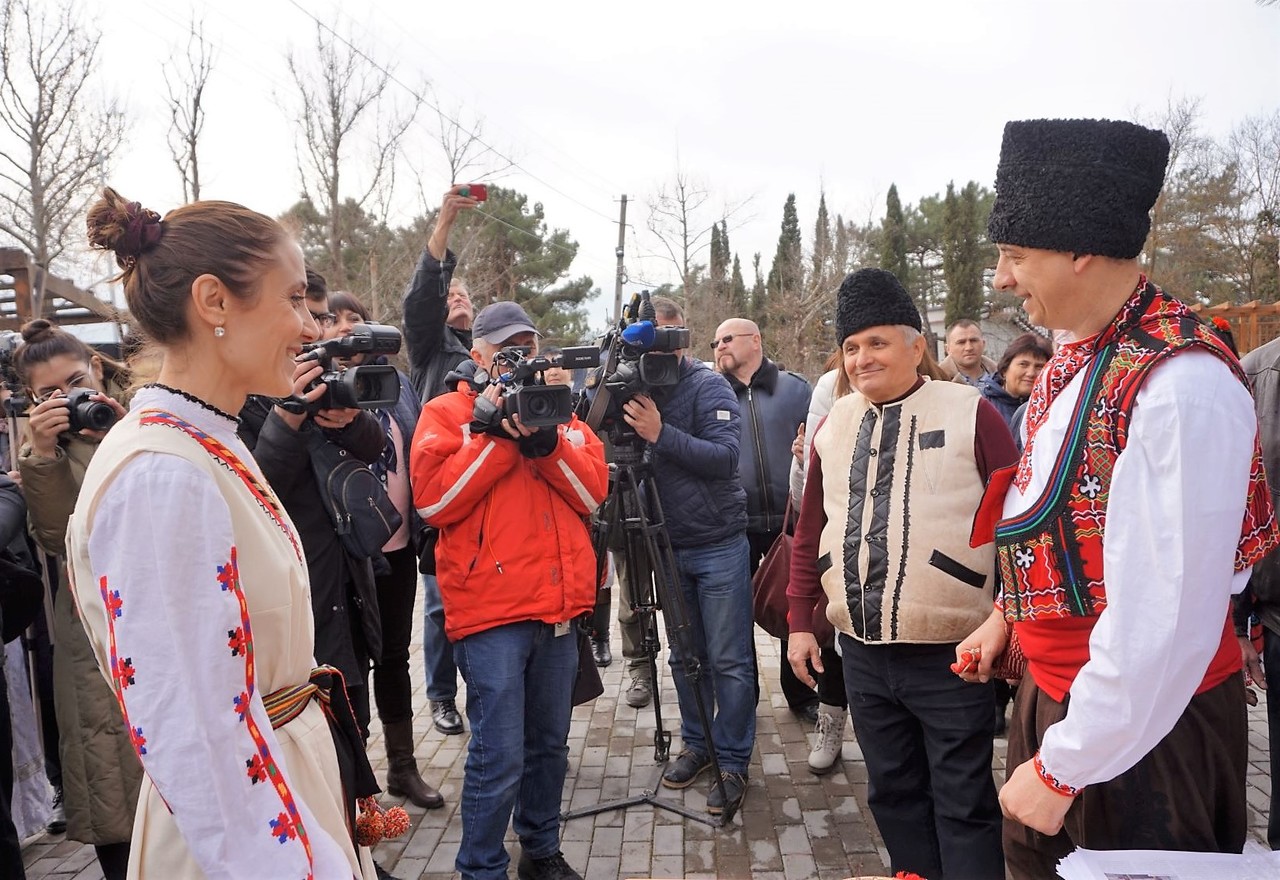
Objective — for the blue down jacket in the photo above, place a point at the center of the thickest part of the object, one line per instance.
(696, 459)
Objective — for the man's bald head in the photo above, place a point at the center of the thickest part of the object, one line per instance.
(738, 349)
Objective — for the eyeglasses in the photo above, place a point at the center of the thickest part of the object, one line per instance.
(325, 319)
(729, 337)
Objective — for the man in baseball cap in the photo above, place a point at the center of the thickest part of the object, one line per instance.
(499, 322)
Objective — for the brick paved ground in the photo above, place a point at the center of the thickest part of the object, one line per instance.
(793, 825)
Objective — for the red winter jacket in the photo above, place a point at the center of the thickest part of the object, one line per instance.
(512, 542)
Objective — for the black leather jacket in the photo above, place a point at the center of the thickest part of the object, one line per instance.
(774, 405)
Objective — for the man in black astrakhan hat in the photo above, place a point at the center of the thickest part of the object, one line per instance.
(1137, 509)
(895, 478)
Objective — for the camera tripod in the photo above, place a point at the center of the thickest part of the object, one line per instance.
(632, 507)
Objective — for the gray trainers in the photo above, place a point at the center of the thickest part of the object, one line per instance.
(828, 738)
(640, 692)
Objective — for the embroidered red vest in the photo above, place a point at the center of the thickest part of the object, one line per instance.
(1049, 558)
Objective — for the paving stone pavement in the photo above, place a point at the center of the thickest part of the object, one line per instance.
(792, 826)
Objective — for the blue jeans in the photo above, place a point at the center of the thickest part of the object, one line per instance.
(927, 738)
(437, 651)
(715, 581)
(519, 698)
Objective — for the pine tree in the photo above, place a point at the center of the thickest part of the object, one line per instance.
(738, 291)
(823, 250)
(893, 243)
(787, 272)
(759, 292)
(961, 254)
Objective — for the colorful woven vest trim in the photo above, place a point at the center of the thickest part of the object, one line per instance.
(1049, 558)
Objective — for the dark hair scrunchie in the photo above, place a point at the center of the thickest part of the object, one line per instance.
(142, 232)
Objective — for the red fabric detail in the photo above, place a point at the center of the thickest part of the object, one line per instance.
(1052, 781)
(1056, 649)
(991, 508)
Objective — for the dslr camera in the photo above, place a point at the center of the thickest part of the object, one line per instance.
(82, 410)
(638, 357)
(525, 392)
(367, 386)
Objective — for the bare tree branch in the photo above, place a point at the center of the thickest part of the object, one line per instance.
(54, 133)
(185, 80)
(343, 105)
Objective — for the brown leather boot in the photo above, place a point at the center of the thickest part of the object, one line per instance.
(403, 779)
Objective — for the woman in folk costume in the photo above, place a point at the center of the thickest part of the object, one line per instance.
(188, 574)
(1138, 508)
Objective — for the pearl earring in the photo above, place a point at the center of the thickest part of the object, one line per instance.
(219, 332)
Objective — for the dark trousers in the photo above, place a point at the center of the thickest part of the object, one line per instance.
(397, 590)
(1186, 794)
(1271, 665)
(799, 695)
(927, 739)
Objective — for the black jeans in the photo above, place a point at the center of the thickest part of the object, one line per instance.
(392, 689)
(927, 739)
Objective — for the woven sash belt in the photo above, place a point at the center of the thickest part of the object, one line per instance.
(327, 685)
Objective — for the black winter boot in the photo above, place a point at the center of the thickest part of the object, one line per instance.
(403, 779)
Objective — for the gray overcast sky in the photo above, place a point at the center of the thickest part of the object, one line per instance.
(597, 99)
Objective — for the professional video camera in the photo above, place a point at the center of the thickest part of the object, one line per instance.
(367, 386)
(525, 391)
(638, 357)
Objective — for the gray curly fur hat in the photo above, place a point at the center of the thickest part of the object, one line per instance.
(873, 298)
(1084, 186)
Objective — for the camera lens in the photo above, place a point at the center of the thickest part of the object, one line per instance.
(95, 415)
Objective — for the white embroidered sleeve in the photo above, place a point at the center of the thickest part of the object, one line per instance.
(1176, 505)
(162, 554)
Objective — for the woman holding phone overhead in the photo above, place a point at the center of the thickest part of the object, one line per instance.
(189, 575)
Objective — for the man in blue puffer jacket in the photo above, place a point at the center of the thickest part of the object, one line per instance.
(693, 444)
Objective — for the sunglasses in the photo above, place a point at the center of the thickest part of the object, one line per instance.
(729, 337)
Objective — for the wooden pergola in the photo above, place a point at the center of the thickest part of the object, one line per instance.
(27, 292)
(1253, 324)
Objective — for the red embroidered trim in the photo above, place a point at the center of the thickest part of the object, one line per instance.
(288, 825)
(1052, 781)
(263, 495)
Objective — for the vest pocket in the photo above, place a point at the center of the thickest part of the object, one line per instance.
(957, 570)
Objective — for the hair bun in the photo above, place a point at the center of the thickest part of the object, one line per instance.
(33, 330)
(126, 228)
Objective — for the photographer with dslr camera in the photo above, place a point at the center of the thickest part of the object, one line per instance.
(515, 568)
(284, 436)
(693, 441)
(75, 396)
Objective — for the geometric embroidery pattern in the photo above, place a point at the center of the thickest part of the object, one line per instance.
(261, 766)
(224, 456)
(1049, 558)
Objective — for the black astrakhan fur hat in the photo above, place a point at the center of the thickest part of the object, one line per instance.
(1084, 186)
(871, 298)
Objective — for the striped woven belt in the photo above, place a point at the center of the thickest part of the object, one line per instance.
(288, 703)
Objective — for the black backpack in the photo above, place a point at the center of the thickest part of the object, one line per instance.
(363, 514)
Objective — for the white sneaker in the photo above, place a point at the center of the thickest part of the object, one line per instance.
(828, 738)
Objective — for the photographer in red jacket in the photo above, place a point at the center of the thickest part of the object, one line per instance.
(515, 566)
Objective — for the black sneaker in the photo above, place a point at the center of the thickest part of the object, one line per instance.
(549, 868)
(685, 769)
(735, 788)
(445, 714)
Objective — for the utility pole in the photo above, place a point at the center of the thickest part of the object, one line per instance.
(622, 274)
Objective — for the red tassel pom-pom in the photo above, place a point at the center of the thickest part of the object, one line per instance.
(395, 822)
(369, 828)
